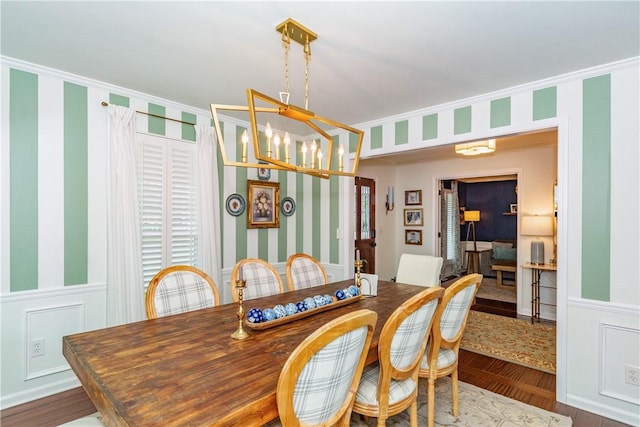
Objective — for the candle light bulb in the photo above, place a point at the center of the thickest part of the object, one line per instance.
(340, 154)
(245, 140)
(304, 154)
(319, 159)
(287, 141)
(269, 133)
(314, 147)
(276, 142)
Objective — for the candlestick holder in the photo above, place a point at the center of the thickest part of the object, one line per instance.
(240, 333)
(389, 207)
(358, 264)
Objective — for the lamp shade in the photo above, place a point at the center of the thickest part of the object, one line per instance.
(472, 216)
(537, 226)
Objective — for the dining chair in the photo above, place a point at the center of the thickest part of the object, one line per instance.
(422, 270)
(441, 356)
(304, 271)
(261, 277)
(178, 289)
(318, 382)
(390, 386)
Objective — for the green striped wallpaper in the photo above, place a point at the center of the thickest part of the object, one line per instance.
(596, 188)
(429, 127)
(23, 176)
(500, 112)
(376, 137)
(545, 103)
(76, 191)
(402, 132)
(462, 120)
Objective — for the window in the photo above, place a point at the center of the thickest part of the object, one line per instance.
(168, 204)
(451, 212)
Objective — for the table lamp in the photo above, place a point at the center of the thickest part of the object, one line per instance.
(537, 226)
(472, 217)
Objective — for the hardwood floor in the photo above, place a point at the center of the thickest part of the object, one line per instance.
(526, 385)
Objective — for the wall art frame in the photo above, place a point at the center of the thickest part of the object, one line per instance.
(264, 204)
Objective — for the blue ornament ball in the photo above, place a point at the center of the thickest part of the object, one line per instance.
(280, 311)
(327, 299)
(269, 314)
(309, 303)
(290, 308)
(347, 293)
(319, 300)
(340, 295)
(300, 306)
(255, 315)
(354, 290)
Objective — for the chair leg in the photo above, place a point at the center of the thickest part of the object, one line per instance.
(454, 391)
(413, 413)
(382, 422)
(431, 401)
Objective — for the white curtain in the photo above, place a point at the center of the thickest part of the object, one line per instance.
(125, 290)
(209, 209)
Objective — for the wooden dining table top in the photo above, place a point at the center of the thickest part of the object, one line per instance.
(186, 370)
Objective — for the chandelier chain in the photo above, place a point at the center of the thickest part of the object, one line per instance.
(286, 43)
(307, 60)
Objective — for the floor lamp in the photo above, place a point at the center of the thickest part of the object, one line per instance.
(472, 217)
(537, 226)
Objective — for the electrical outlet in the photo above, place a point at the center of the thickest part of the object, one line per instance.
(632, 374)
(37, 347)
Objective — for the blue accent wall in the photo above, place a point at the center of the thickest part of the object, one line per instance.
(492, 199)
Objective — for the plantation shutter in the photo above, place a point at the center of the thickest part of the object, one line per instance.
(167, 189)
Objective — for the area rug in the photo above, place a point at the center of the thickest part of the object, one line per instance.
(478, 408)
(489, 290)
(514, 340)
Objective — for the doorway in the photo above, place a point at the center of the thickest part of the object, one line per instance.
(365, 222)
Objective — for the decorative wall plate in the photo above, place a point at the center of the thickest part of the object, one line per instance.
(287, 206)
(235, 204)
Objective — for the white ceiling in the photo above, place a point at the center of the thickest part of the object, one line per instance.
(371, 60)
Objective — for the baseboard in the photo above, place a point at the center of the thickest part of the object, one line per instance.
(25, 396)
(627, 417)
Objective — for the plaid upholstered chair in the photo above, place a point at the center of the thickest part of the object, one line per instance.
(391, 386)
(304, 271)
(178, 289)
(262, 279)
(441, 357)
(317, 383)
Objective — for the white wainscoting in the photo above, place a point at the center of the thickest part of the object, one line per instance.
(45, 315)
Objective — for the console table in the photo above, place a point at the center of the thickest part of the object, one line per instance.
(536, 273)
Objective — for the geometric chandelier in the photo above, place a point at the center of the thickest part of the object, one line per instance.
(272, 148)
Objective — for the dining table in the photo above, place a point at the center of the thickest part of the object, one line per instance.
(187, 370)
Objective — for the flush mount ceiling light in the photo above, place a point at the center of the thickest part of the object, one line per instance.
(476, 147)
(273, 148)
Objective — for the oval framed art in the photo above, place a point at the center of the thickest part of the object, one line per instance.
(235, 204)
(288, 206)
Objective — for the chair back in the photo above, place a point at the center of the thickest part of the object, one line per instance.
(304, 271)
(404, 336)
(179, 289)
(261, 278)
(452, 315)
(421, 270)
(317, 383)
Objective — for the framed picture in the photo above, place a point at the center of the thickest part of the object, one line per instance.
(413, 237)
(413, 197)
(264, 204)
(264, 174)
(413, 217)
(513, 208)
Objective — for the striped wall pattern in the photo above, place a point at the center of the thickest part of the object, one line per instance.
(57, 171)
